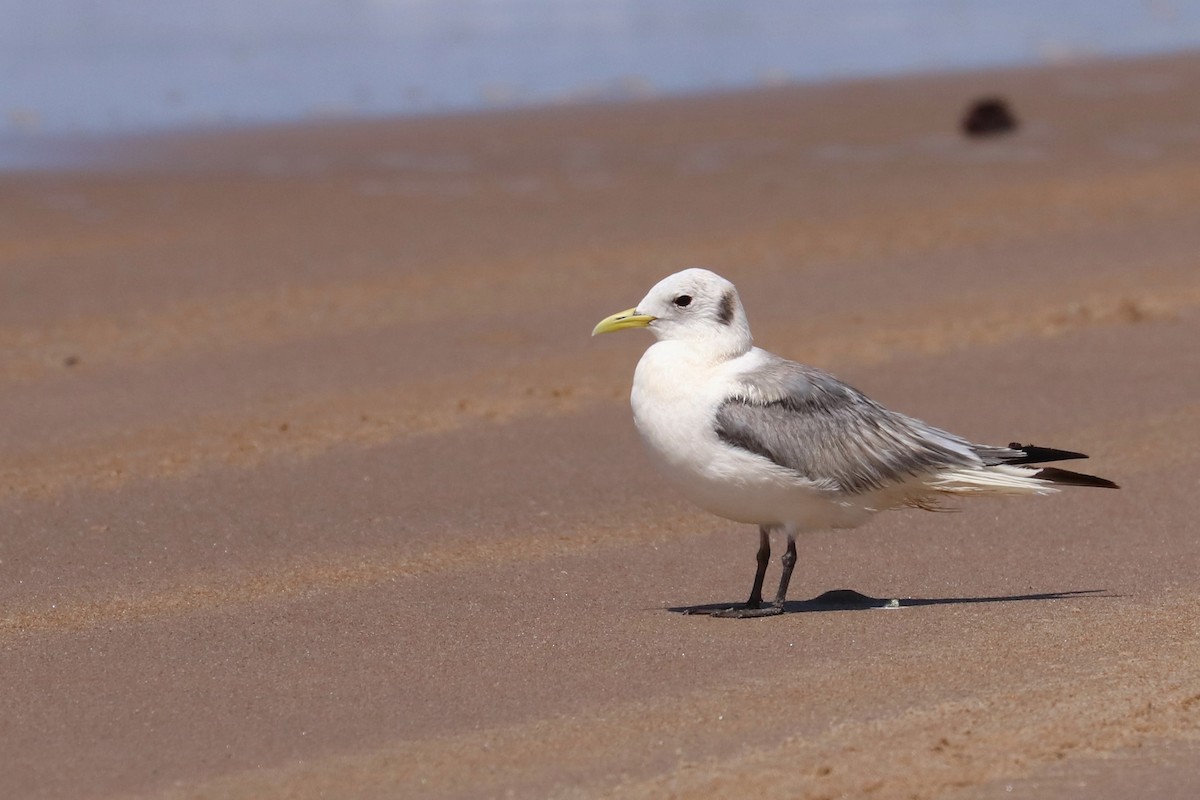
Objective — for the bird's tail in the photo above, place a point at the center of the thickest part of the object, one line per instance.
(998, 479)
(1012, 479)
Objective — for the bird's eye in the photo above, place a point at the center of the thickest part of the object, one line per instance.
(683, 301)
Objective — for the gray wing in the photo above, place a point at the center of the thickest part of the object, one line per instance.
(813, 424)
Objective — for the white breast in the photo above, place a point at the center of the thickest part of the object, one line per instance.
(675, 398)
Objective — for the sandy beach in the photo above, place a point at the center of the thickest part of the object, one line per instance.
(313, 483)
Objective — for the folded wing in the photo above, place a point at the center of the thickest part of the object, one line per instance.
(809, 422)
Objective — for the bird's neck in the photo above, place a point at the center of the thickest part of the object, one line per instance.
(674, 357)
(707, 350)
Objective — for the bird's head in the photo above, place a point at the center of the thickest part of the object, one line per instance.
(694, 305)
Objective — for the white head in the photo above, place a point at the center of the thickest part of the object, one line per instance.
(696, 306)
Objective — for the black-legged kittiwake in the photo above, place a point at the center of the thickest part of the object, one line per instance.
(755, 438)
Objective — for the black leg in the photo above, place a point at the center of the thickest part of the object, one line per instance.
(754, 606)
(789, 562)
(764, 558)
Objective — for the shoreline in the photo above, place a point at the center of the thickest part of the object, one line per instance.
(87, 151)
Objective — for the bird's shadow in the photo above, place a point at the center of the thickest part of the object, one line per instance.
(850, 600)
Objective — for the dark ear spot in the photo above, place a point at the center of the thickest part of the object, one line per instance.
(725, 310)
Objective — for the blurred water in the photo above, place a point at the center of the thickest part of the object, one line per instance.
(115, 66)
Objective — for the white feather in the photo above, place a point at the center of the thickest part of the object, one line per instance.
(1000, 479)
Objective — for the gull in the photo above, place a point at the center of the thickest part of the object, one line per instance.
(755, 438)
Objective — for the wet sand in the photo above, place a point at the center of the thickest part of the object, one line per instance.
(314, 484)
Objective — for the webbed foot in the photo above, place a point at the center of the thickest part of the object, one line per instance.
(748, 612)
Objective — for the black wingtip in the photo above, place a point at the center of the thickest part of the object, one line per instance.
(1065, 477)
(1040, 455)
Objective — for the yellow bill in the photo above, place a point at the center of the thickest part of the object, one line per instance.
(622, 320)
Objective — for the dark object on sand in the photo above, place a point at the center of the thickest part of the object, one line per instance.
(988, 117)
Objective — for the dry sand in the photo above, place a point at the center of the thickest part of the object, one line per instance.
(314, 485)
